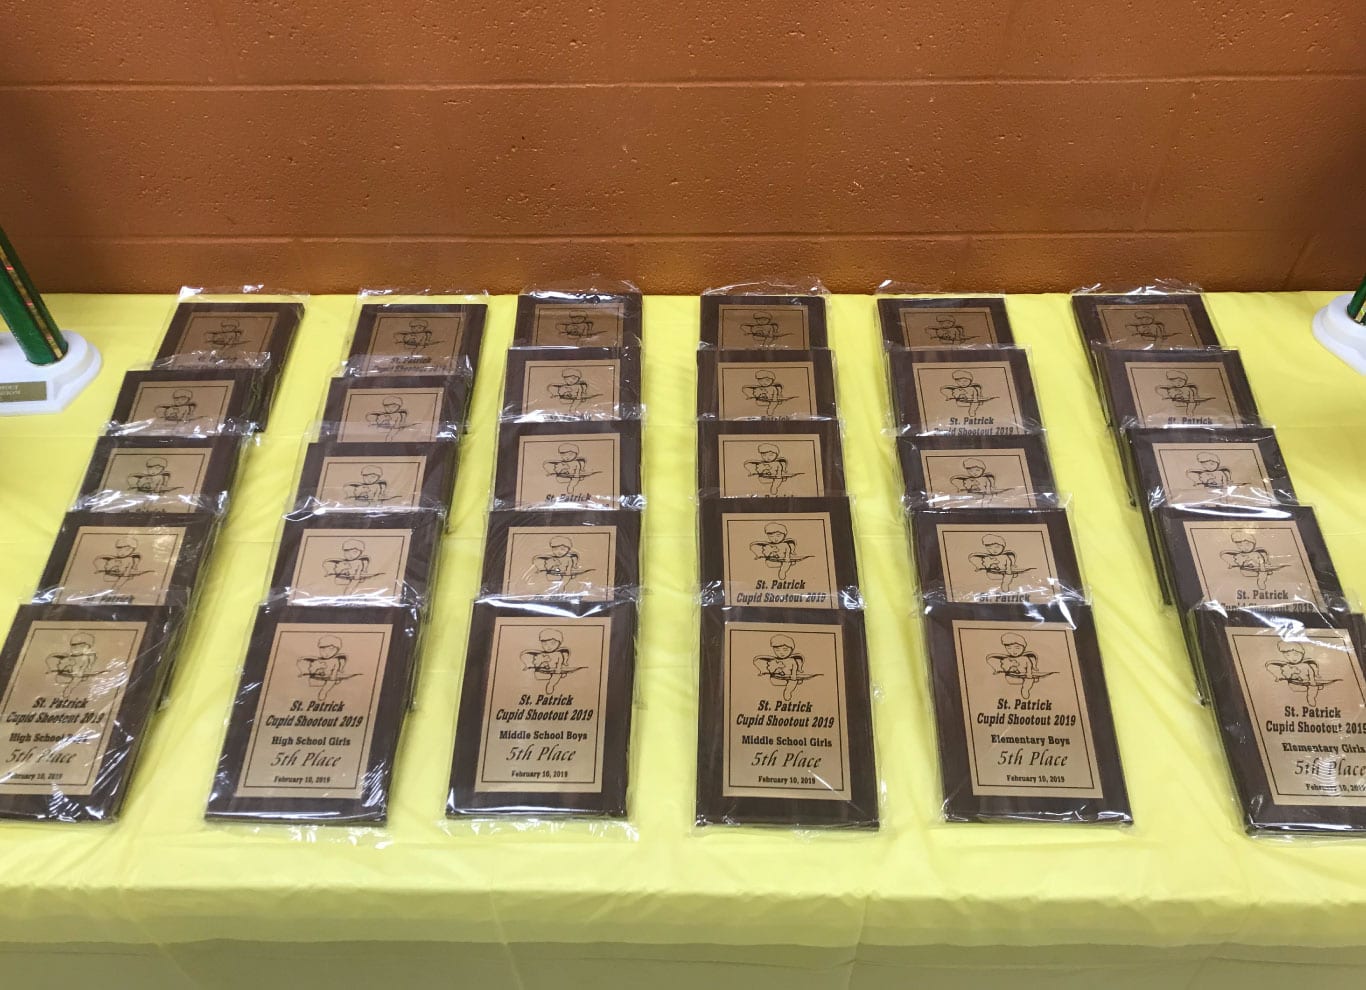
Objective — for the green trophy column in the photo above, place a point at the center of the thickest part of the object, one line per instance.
(25, 311)
(1356, 308)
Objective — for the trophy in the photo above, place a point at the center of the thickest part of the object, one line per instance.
(41, 368)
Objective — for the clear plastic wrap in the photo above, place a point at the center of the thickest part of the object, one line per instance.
(759, 458)
(999, 555)
(314, 728)
(763, 321)
(1273, 557)
(547, 384)
(170, 402)
(583, 318)
(160, 474)
(400, 332)
(544, 726)
(250, 327)
(766, 384)
(1175, 388)
(376, 477)
(358, 559)
(1149, 318)
(1288, 694)
(78, 688)
(784, 732)
(394, 409)
(582, 465)
(1023, 719)
(794, 553)
(944, 321)
(562, 555)
(143, 559)
(963, 391)
(1233, 466)
(951, 471)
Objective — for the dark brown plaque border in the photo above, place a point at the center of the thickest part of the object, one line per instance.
(287, 318)
(710, 432)
(713, 807)
(373, 804)
(628, 380)
(711, 510)
(906, 407)
(1034, 445)
(146, 679)
(245, 412)
(925, 525)
(465, 361)
(438, 478)
(893, 334)
(816, 333)
(1086, 310)
(1261, 811)
(201, 530)
(1118, 400)
(524, 329)
(423, 549)
(1144, 477)
(502, 521)
(223, 451)
(960, 804)
(822, 379)
(462, 800)
(1180, 561)
(453, 410)
(509, 447)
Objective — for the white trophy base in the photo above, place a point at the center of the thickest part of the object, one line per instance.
(1341, 334)
(32, 389)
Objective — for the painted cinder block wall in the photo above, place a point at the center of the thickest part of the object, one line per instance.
(1014, 144)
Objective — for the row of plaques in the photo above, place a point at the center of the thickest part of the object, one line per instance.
(1025, 731)
(544, 724)
(332, 662)
(1273, 642)
(85, 667)
(785, 718)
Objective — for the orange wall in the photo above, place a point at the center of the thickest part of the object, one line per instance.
(1015, 144)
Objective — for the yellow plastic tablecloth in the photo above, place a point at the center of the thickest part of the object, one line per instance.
(1183, 896)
